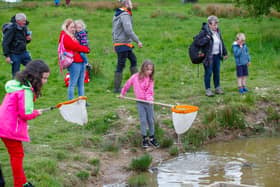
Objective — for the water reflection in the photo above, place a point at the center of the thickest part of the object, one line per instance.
(253, 161)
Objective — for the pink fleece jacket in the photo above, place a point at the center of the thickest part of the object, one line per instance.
(143, 89)
(13, 116)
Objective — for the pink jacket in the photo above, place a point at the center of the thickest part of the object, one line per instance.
(16, 109)
(143, 89)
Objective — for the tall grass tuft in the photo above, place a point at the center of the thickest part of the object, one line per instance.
(230, 117)
(141, 163)
(273, 116)
(83, 175)
(174, 151)
(96, 163)
(166, 142)
(138, 180)
(193, 138)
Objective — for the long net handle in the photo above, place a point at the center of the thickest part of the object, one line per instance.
(144, 101)
(48, 109)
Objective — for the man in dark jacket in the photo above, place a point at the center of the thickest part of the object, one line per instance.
(211, 40)
(123, 35)
(16, 37)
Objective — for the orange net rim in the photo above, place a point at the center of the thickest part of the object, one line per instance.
(184, 109)
(71, 101)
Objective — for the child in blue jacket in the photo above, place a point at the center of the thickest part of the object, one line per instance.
(242, 60)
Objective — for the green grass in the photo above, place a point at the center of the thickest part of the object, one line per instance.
(166, 28)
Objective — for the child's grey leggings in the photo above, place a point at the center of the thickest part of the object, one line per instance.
(146, 117)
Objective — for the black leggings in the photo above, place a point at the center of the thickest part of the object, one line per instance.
(122, 56)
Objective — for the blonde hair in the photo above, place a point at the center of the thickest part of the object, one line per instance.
(240, 36)
(82, 23)
(66, 24)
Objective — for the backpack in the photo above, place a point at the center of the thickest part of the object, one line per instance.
(5, 27)
(196, 53)
(65, 58)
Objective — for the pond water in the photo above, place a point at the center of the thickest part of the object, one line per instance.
(252, 161)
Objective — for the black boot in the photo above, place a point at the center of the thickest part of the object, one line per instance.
(117, 82)
(2, 181)
(133, 70)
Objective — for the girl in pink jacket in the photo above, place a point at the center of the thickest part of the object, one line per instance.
(17, 107)
(143, 85)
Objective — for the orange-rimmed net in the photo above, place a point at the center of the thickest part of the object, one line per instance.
(183, 117)
(74, 110)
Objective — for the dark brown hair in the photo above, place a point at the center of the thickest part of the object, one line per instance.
(32, 74)
(144, 66)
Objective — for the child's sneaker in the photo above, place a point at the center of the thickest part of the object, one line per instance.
(28, 184)
(154, 142)
(245, 89)
(241, 91)
(145, 143)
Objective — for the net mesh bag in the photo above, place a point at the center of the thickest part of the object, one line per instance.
(183, 117)
(74, 111)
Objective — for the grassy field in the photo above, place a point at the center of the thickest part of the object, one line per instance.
(57, 154)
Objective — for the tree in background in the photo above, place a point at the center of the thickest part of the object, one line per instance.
(260, 7)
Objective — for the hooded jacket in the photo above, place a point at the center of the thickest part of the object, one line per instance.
(17, 107)
(72, 44)
(122, 27)
(241, 55)
(205, 40)
(143, 88)
(14, 40)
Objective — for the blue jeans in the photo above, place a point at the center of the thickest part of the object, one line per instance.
(77, 77)
(84, 57)
(214, 68)
(18, 59)
(146, 117)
